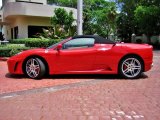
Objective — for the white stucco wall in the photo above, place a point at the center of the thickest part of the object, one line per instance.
(23, 14)
(31, 9)
(7, 32)
(23, 22)
(0, 15)
(36, 1)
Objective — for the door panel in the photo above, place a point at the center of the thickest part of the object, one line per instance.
(75, 60)
(76, 55)
(104, 55)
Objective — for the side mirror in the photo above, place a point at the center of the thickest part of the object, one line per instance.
(59, 47)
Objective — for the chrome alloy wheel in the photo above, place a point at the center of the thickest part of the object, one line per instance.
(131, 67)
(32, 68)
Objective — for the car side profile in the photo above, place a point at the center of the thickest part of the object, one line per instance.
(84, 54)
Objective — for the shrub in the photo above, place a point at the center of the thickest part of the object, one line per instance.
(11, 49)
(40, 43)
(18, 45)
(18, 41)
(4, 52)
(14, 51)
(35, 42)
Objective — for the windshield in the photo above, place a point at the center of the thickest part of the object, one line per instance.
(54, 45)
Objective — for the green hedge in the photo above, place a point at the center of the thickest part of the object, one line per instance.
(17, 45)
(40, 43)
(35, 42)
(11, 49)
(18, 41)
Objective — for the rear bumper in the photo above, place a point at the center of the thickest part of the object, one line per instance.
(148, 65)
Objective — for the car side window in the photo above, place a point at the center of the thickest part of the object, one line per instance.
(79, 43)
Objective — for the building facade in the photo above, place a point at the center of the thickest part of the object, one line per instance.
(25, 18)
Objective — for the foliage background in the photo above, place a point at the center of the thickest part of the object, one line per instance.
(120, 17)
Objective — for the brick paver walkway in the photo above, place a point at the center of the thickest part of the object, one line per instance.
(12, 83)
(100, 99)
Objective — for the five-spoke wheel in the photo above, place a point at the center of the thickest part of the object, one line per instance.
(34, 68)
(131, 67)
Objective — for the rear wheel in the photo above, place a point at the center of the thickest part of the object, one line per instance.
(131, 67)
(35, 68)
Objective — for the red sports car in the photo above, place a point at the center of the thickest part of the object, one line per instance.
(85, 54)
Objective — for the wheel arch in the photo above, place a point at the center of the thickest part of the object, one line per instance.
(35, 56)
(131, 55)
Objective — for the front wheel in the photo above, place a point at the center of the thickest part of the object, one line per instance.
(35, 68)
(131, 67)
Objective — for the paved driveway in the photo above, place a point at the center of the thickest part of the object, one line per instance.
(12, 83)
(97, 97)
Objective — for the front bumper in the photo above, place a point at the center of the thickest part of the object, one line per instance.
(15, 66)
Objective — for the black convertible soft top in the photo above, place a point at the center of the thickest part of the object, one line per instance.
(98, 39)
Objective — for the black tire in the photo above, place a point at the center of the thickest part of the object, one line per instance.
(131, 67)
(35, 68)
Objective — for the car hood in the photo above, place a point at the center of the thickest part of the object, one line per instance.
(29, 52)
(35, 50)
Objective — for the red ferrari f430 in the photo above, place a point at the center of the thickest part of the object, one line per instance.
(85, 54)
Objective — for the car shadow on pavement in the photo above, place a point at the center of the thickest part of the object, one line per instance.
(13, 76)
(94, 76)
(78, 76)
(85, 76)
